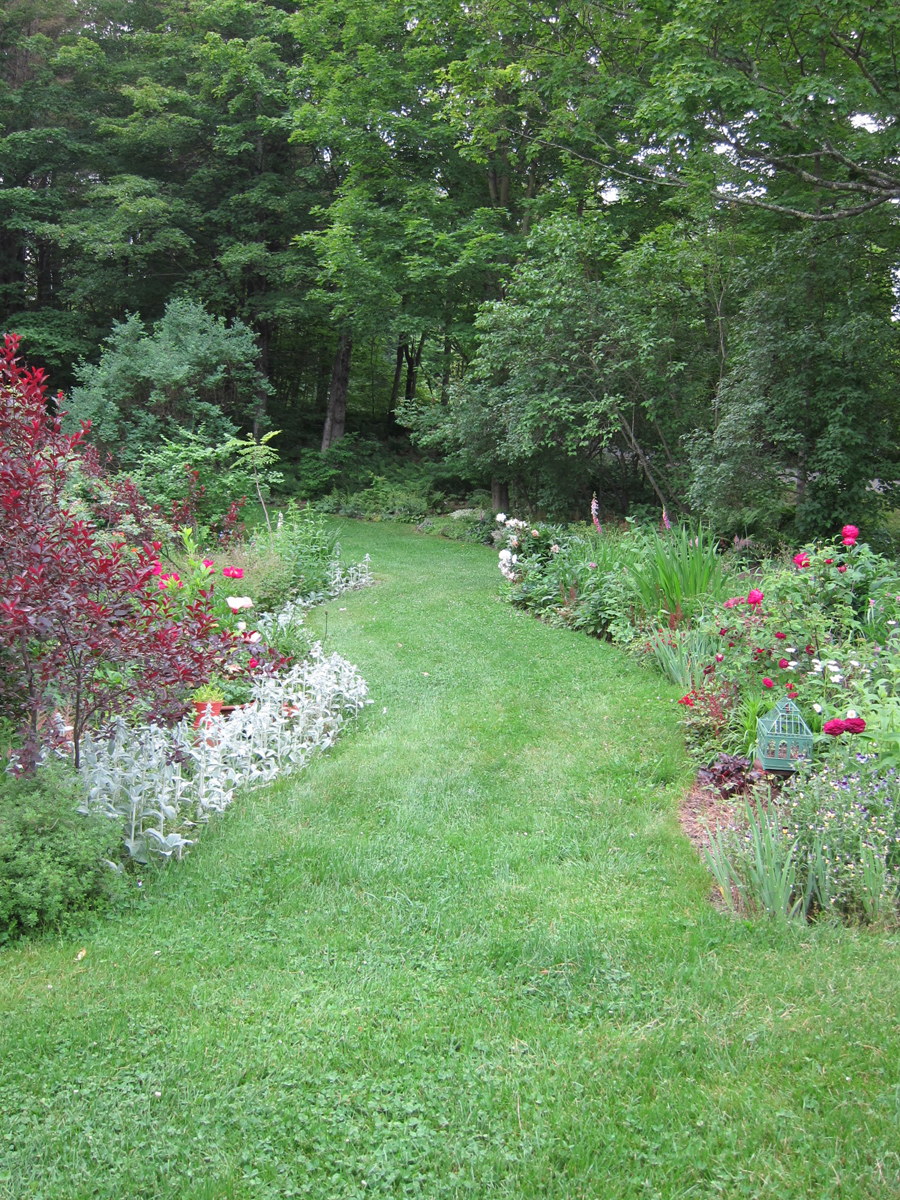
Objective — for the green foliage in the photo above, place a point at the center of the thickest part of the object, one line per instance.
(760, 864)
(308, 548)
(53, 864)
(196, 466)
(192, 374)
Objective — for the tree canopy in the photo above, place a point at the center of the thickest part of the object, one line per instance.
(647, 251)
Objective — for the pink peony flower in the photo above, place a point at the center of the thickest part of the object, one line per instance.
(233, 572)
(783, 663)
(842, 569)
(849, 541)
(720, 658)
(828, 562)
(834, 727)
(754, 597)
(208, 562)
(850, 531)
(854, 725)
(254, 662)
(767, 682)
(781, 636)
(801, 559)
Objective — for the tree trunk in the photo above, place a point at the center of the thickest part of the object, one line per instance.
(259, 413)
(445, 377)
(398, 370)
(499, 496)
(337, 392)
(413, 363)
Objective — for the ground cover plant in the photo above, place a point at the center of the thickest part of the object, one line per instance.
(469, 954)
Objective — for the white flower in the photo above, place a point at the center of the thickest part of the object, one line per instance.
(837, 679)
(505, 556)
(500, 518)
(817, 707)
(514, 542)
(853, 662)
(515, 558)
(236, 603)
(534, 533)
(851, 712)
(554, 549)
(892, 622)
(792, 664)
(241, 626)
(254, 637)
(791, 649)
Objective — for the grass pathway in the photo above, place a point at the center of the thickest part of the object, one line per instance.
(467, 954)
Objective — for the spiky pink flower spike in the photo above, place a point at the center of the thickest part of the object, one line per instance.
(666, 521)
(595, 513)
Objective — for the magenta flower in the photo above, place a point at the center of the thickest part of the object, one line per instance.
(233, 572)
(835, 727)
(666, 521)
(767, 682)
(783, 663)
(754, 597)
(801, 559)
(208, 562)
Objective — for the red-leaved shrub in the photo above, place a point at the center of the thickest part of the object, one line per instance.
(84, 628)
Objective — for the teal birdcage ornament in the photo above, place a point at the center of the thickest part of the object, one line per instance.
(783, 738)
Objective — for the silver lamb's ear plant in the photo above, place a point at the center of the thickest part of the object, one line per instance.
(160, 783)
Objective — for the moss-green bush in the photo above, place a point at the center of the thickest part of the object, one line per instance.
(52, 859)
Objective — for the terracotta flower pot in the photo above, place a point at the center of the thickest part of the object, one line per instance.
(202, 705)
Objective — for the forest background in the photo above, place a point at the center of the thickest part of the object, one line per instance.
(646, 250)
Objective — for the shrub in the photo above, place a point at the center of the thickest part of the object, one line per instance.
(52, 859)
(85, 630)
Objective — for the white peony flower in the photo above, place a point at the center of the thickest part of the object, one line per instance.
(501, 517)
(236, 603)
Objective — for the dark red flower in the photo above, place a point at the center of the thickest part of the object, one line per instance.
(834, 727)
(854, 725)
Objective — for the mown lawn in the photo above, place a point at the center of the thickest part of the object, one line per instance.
(468, 953)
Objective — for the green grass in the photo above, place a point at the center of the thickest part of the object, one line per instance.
(468, 953)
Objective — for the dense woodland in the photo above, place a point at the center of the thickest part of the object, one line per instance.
(647, 250)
